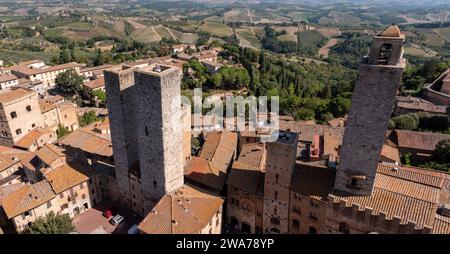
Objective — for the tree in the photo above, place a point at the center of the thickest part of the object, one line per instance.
(442, 151)
(88, 118)
(405, 122)
(100, 95)
(51, 224)
(62, 131)
(69, 82)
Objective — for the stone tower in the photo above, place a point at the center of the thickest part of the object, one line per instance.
(160, 131)
(280, 165)
(372, 104)
(146, 130)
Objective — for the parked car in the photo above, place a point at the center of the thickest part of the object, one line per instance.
(116, 220)
(107, 213)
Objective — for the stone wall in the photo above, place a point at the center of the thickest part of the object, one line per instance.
(372, 105)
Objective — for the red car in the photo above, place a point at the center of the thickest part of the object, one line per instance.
(107, 213)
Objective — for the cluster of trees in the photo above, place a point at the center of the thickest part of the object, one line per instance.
(228, 77)
(351, 50)
(306, 91)
(421, 122)
(416, 76)
(88, 118)
(271, 42)
(51, 224)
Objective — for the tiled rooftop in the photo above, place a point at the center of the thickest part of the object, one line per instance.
(186, 210)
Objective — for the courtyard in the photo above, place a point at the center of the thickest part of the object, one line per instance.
(93, 222)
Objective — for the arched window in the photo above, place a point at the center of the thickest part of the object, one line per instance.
(385, 52)
(312, 230)
(277, 177)
(276, 195)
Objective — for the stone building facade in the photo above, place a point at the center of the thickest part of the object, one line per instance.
(19, 113)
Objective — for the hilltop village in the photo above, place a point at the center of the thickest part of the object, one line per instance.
(133, 153)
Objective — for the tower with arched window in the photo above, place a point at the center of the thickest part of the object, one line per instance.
(372, 104)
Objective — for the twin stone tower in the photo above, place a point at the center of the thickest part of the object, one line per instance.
(146, 128)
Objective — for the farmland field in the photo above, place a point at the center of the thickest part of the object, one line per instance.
(247, 38)
(217, 29)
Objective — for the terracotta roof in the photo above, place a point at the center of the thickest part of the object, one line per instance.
(96, 83)
(199, 170)
(49, 153)
(306, 131)
(54, 98)
(6, 190)
(313, 180)
(175, 62)
(186, 210)
(89, 141)
(65, 177)
(27, 140)
(411, 193)
(247, 172)
(46, 106)
(210, 168)
(390, 152)
(7, 77)
(219, 149)
(95, 68)
(391, 31)
(26, 198)
(427, 107)
(441, 225)
(419, 140)
(33, 71)
(10, 156)
(15, 94)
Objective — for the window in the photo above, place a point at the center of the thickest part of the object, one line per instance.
(81, 186)
(13, 114)
(385, 52)
(28, 108)
(18, 131)
(275, 210)
(354, 181)
(49, 204)
(26, 214)
(312, 230)
(83, 196)
(296, 209)
(33, 125)
(344, 228)
(275, 221)
(276, 195)
(64, 206)
(295, 223)
(277, 177)
(61, 195)
(313, 203)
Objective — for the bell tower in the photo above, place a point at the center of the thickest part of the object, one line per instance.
(372, 104)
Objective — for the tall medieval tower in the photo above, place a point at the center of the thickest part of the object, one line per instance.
(280, 165)
(146, 130)
(372, 104)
